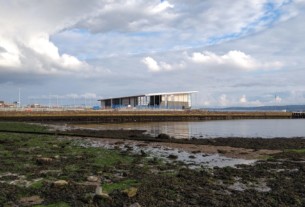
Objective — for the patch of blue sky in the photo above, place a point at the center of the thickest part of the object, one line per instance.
(81, 30)
(220, 38)
(144, 34)
(272, 14)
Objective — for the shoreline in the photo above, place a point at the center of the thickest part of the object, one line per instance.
(227, 151)
(58, 170)
(114, 116)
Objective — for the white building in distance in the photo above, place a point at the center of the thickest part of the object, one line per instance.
(165, 100)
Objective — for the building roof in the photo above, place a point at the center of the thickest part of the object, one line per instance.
(122, 97)
(152, 94)
(170, 93)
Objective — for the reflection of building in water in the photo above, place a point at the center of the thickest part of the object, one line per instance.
(168, 100)
(177, 130)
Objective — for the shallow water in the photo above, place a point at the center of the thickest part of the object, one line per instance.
(190, 159)
(265, 128)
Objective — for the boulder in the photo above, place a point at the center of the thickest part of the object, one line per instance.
(163, 136)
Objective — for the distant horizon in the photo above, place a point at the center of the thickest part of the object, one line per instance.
(91, 102)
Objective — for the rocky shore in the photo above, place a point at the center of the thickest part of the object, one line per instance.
(62, 170)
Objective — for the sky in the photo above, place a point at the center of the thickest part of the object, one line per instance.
(234, 53)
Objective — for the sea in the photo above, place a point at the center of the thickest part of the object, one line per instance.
(250, 128)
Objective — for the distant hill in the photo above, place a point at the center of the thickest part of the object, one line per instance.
(290, 108)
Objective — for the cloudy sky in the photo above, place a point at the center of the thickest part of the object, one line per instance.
(235, 53)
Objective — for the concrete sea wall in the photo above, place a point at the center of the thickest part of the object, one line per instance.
(91, 116)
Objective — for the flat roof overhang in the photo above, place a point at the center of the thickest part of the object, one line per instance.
(121, 97)
(151, 94)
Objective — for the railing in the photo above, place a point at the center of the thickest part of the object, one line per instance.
(298, 115)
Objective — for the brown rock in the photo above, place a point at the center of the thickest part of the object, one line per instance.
(44, 160)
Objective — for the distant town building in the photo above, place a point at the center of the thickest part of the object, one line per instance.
(3, 104)
(165, 100)
(35, 106)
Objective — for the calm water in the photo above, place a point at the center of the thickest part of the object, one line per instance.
(266, 128)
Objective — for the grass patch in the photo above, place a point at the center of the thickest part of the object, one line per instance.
(19, 126)
(120, 185)
(37, 185)
(108, 158)
(60, 204)
(19, 153)
(63, 160)
(296, 150)
(266, 157)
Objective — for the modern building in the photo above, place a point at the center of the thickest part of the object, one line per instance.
(167, 100)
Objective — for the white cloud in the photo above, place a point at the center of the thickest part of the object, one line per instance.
(233, 58)
(229, 61)
(154, 66)
(10, 55)
(151, 64)
(42, 45)
(278, 99)
(164, 5)
(25, 36)
(243, 99)
(134, 16)
(223, 100)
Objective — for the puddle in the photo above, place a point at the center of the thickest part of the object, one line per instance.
(193, 160)
(259, 187)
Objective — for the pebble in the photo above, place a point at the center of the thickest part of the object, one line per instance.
(57, 157)
(92, 178)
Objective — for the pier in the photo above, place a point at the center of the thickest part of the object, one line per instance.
(298, 115)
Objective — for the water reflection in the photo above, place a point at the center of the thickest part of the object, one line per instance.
(266, 128)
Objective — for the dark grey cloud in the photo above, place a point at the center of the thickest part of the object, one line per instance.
(2, 50)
